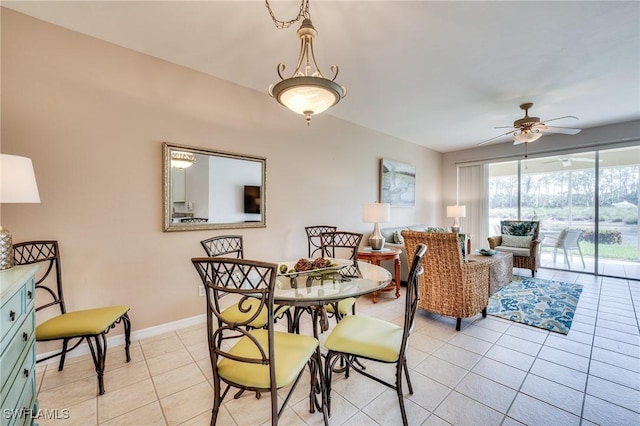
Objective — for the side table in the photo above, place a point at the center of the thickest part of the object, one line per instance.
(375, 257)
(500, 269)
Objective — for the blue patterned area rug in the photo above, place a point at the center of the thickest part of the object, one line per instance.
(541, 303)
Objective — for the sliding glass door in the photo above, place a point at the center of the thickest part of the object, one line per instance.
(619, 190)
(560, 192)
(587, 205)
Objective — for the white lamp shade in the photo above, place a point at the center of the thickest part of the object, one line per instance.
(456, 211)
(17, 180)
(527, 137)
(376, 212)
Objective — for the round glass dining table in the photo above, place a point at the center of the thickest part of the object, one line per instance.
(312, 291)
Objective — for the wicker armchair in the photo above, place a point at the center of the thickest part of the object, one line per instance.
(521, 240)
(449, 285)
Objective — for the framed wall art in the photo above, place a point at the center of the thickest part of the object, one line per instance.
(397, 183)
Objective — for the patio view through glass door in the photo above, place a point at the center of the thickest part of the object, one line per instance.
(575, 197)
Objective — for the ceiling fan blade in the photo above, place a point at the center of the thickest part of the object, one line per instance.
(496, 137)
(503, 127)
(561, 118)
(564, 130)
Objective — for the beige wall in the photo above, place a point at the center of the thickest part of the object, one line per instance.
(93, 117)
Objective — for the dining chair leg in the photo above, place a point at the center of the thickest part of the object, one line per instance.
(399, 368)
(329, 362)
(406, 374)
(65, 344)
(217, 401)
(127, 336)
(98, 353)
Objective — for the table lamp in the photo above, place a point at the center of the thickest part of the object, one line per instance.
(17, 185)
(376, 213)
(456, 212)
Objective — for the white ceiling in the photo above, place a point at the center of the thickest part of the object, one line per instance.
(438, 74)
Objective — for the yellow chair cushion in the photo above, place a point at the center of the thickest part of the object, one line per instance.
(344, 306)
(88, 322)
(232, 314)
(292, 351)
(367, 337)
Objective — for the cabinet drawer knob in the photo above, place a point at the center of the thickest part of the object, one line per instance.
(30, 294)
(25, 336)
(12, 315)
(25, 372)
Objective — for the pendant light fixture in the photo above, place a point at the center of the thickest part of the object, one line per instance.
(182, 160)
(307, 91)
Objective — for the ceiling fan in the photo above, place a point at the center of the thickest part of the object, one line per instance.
(568, 161)
(530, 129)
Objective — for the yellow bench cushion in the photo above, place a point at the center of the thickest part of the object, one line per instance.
(292, 351)
(367, 337)
(86, 322)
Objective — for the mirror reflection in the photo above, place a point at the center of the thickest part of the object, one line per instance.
(206, 189)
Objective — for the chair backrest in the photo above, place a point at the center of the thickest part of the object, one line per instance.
(342, 245)
(572, 238)
(194, 220)
(252, 282)
(313, 237)
(529, 228)
(443, 260)
(413, 294)
(46, 252)
(224, 245)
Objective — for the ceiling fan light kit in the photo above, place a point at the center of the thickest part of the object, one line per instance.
(307, 91)
(529, 129)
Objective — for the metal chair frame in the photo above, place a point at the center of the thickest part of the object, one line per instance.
(255, 280)
(411, 305)
(313, 237)
(232, 246)
(48, 252)
(224, 245)
(329, 242)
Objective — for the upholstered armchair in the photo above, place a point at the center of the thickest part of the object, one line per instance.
(520, 238)
(450, 286)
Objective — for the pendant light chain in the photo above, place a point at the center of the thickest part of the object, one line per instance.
(303, 13)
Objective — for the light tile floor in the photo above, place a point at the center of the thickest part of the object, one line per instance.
(492, 372)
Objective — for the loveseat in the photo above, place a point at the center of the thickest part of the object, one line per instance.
(393, 238)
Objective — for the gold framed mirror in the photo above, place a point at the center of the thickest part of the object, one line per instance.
(207, 189)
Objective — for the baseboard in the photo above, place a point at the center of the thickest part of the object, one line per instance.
(118, 340)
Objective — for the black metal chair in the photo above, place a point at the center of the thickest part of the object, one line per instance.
(232, 246)
(90, 325)
(224, 245)
(357, 337)
(343, 245)
(260, 360)
(313, 237)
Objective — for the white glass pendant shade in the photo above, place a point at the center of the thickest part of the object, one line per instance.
(307, 95)
(527, 136)
(182, 160)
